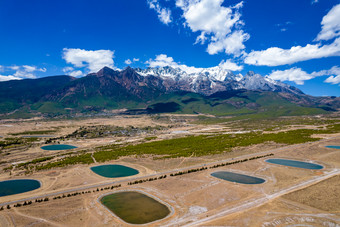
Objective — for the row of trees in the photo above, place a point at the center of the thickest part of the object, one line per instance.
(240, 161)
(60, 197)
(26, 203)
(86, 192)
(188, 171)
(146, 180)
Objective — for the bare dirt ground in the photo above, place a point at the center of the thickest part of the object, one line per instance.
(193, 196)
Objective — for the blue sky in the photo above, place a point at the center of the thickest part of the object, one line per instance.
(297, 42)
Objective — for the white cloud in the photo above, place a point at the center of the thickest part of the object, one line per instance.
(314, 1)
(6, 78)
(219, 25)
(29, 68)
(334, 74)
(164, 14)
(128, 61)
(275, 56)
(333, 79)
(93, 60)
(14, 67)
(330, 24)
(16, 72)
(229, 65)
(161, 61)
(232, 44)
(24, 75)
(294, 74)
(298, 76)
(71, 72)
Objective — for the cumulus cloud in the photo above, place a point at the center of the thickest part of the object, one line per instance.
(232, 44)
(275, 56)
(16, 72)
(163, 60)
(128, 61)
(333, 79)
(6, 78)
(218, 25)
(299, 76)
(229, 65)
(296, 75)
(164, 14)
(330, 24)
(93, 60)
(334, 74)
(72, 72)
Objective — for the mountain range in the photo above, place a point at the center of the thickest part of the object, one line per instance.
(162, 89)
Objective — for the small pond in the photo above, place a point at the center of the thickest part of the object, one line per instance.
(237, 177)
(334, 147)
(113, 171)
(293, 163)
(58, 147)
(12, 187)
(135, 207)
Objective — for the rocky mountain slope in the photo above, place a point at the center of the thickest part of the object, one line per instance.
(187, 90)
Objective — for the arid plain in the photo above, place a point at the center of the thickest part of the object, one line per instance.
(289, 196)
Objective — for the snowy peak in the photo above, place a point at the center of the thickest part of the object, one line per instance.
(207, 81)
(185, 72)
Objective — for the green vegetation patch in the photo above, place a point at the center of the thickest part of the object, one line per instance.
(70, 160)
(135, 208)
(15, 142)
(41, 132)
(201, 145)
(192, 146)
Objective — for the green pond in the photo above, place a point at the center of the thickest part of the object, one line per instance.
(12, 187)
(334, 147)
(134, 207)
(57, 147)
(293, 163)
(237, 177)
(113, 171)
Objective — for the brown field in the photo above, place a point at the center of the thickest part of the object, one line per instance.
(197, 199)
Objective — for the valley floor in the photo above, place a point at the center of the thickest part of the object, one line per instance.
(289, 197)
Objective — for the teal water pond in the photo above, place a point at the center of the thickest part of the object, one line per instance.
(57, 147)
(334, 147)
(238, 178)
(12, 187)
(113, 171)
(293, 163)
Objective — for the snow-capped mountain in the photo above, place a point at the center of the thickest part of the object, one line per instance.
(150, 88)
(207, 81)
